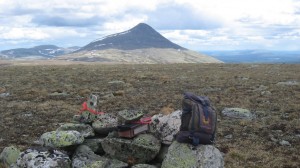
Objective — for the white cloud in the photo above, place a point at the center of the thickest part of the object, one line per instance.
(192, 24)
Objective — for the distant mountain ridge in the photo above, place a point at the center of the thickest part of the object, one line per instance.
(141, 36)
(42, 51)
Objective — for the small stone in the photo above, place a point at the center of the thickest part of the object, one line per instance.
(288, 83)
(285, 143)
(228, 136)
(238, 113)
(4, 95)
(266, 93)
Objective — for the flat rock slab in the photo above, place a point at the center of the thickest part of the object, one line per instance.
(166, 126)
(105, 123)
(141, 149)
(59, 139)
(42, 157)
(238, 113)
(126, 116)
(188, 156)
(84, 129)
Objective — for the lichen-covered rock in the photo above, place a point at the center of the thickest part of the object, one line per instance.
(126, 116)
(238, 113)
(41, 157)
(59, 139)
(9, 155)
(188, 156)
(84, 129)
(141, 149)
(85, 157)
(105, 124)
(94, 144)
(166, 126)
(143, 166)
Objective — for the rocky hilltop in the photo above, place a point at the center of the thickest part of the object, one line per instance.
(140, 44)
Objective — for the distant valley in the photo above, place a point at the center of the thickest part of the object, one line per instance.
(256, 56)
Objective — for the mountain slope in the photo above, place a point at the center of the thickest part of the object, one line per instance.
(139, 37)
(141, 44)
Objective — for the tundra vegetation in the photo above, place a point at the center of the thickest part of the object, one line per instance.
(37, 99)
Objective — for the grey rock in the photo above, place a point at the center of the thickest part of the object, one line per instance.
(141, 149)
(41, 157)
(126, 116)
(288, 83)
(166, 126)
(94, 144)
(9, 155)
(143, 166)
(266, 93)
(85, 157)
(284, 143)
(58, 94)
(84, 129)
(105, 123)
(187, 156)
(2, 95)
(228, 136)
(238, 113)
(59, 139)
(116, 85)
(108, 96)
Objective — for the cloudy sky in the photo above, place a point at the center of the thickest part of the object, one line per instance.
(194, 24)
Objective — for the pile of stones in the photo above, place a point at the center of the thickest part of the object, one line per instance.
(92, 141)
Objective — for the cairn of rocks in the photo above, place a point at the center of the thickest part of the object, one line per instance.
(93, 141)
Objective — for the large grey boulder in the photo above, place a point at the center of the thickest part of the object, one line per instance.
(105, 124)
(188, 156)
(9, 155)
(85, 157)
(166, 126)
(41, 157)
(84, 129)
(59, 139)
(141, 149)
(238, 113)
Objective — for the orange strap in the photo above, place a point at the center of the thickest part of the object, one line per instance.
(145, 120)
(86, 108)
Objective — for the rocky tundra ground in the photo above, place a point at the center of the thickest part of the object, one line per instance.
(37, 99)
